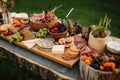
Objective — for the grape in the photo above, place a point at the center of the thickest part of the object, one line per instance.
(15, 36)
(42, 33)
(45, 29)
(20, 38)
(40, 30)
(44, 36)
(45, 32)
(11, 40)
(37, 34)
(78, 27)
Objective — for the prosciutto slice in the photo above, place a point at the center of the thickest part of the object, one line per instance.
(85, 49)
(81, 45)
(78, 39)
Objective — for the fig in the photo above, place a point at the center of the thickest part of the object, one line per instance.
(112, 59)
(103, 35)
(105, 58)
(61, 41)
(96, 34)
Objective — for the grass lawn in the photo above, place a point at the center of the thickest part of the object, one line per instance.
(87, 12)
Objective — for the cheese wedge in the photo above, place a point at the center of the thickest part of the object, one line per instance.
(58, 49)
(30, 43)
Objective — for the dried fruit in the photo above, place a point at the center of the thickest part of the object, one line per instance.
(110, 65)
(89, 58)
(113, 65)
(99, 58)
(105, 58)
(101, 68)
(95, 66)
(95, 55)
(84, 57)
(95, 60)
(111, 59)
(88, 62)
(107, 64)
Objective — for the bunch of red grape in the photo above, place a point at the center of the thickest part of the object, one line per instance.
(78, 27)
(58, 27)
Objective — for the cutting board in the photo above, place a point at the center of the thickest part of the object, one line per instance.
(47, 54)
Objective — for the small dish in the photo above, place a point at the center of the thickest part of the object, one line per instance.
(114, 47)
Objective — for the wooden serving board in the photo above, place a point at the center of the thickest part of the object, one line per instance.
(48, 54)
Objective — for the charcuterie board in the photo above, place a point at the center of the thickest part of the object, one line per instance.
(47, 54)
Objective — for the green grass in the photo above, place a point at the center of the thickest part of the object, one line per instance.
(87, 12)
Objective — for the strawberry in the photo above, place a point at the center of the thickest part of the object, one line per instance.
(53, 31)
(57, 24)
(56, 28)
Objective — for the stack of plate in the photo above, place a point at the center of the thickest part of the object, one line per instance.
(114, 47)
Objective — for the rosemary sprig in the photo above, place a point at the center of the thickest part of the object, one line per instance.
(103, 25)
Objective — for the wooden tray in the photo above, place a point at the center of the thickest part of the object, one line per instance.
(47, 54)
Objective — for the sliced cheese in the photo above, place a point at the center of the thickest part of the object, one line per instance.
(58, 49)
(30, 43)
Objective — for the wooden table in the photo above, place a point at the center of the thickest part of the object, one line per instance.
(38, 64)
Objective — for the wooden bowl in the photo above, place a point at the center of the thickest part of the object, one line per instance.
(58, 35)
(36, 26)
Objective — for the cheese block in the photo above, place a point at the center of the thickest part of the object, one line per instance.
(30, 43)
(58, 49)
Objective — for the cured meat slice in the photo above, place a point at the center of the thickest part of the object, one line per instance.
(80, 45)
(85, 49)
(78, 39)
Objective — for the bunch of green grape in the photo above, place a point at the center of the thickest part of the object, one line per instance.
(42, 33)
(16, 37)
